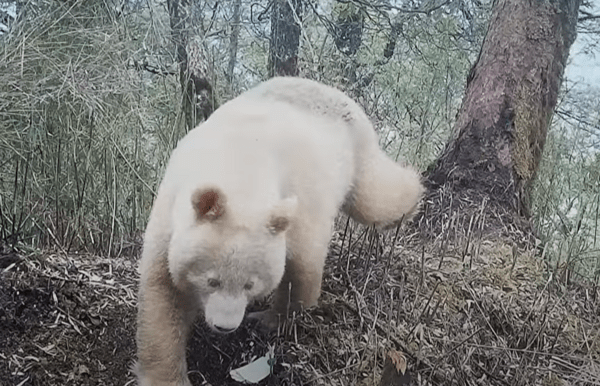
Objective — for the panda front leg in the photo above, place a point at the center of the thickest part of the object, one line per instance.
(165, 318)
(300, 286)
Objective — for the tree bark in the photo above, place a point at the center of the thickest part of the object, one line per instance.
(347, 34)
(285, 37)
(349, 24)
(234, 38)
(198, 97)
(501, 126)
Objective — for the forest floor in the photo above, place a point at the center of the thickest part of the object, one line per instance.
(480, 313)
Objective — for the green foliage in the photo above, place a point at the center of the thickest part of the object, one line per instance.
(412, 97)
(86, 126)
(82, 136)
(566, 194)
(423, 87)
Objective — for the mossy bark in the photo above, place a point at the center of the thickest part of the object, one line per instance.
(511, 93)
(285, 37)
(199, 100)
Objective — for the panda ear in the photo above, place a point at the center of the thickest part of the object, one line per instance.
(281, 215)
(208, 204)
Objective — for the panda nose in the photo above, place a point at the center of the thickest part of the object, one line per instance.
(224, 330)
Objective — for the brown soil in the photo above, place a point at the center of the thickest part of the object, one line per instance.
(70, 320)
(476, 312)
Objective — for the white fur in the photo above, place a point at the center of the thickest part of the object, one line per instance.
(269, 171)
(224, 312)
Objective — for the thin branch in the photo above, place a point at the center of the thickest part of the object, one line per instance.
(143, 65)
(565, 114)
(588, 16)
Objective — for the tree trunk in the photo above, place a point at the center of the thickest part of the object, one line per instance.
(349, 24)
(198, 98)
(285, 37)
(501, 126)
(347, 34)
(233, 41)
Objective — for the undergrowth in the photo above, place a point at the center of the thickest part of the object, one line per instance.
(90, 111)
(566, 193)
(82, 135)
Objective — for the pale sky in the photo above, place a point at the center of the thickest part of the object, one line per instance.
(584, 69)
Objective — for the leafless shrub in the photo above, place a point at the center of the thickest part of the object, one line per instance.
(81, 136)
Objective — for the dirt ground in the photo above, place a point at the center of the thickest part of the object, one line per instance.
(70, 320)
(478, 314)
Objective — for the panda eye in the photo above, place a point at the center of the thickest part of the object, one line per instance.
(248, 286)
(214, 283)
